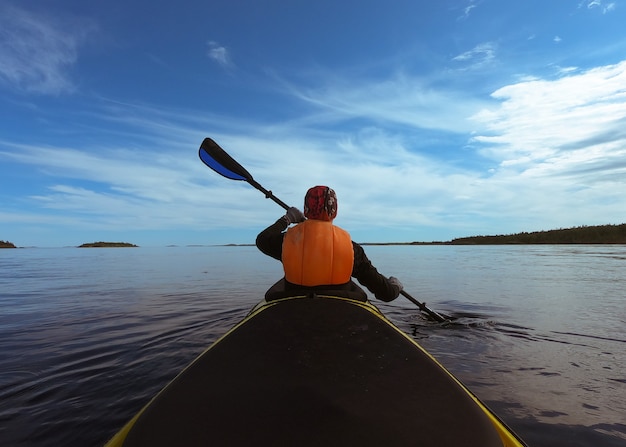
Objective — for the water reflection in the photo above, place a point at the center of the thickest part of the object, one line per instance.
(87, 337)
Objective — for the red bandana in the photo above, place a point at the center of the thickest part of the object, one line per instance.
(320, 203)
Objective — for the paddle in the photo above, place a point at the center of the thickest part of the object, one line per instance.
(434, 315)
(217, 159)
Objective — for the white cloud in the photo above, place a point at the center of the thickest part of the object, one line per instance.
(571, 127)
(600, 4)
(401, 100)
(467, 10)
(567, 70)
(124, 189)
(561, 149)
(37, 51)
(152, 187)
(219, 54)
(478, 56)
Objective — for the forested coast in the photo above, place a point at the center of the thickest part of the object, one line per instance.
(600, 234)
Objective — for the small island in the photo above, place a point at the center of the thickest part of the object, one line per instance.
(106, 244)
(7, 244)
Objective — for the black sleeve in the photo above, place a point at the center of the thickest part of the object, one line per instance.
(368, 276)
(270, 240)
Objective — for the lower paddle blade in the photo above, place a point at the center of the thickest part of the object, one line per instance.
(422, 306)
(217, 159)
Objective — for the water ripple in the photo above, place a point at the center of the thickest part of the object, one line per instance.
(88, 337)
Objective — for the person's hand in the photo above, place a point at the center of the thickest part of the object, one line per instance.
(396, 282)
(294, 215)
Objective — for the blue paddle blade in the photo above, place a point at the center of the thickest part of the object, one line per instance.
(217, 167)
(217, 159)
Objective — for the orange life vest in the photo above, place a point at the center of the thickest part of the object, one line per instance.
(316, 253)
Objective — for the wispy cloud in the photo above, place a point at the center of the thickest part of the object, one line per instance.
(467, 10)
(565, 126)
(37, 51)
(159, 185)
(125, 189)
(400, 100)
(603, 6)
(478, 56)
(219, 54)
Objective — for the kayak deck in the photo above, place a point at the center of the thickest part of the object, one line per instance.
(315, 371)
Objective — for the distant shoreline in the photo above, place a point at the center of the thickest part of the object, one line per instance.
(598, 234)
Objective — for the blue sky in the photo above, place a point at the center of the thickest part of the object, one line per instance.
(431, 119)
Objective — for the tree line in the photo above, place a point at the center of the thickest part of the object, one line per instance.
(600, 234)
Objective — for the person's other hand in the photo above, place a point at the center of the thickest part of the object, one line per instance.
(396, 282)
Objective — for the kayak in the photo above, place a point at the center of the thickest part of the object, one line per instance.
(315, 370)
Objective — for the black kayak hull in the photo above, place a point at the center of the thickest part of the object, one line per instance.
(310, 371)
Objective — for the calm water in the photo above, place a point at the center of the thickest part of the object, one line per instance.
(87, 336)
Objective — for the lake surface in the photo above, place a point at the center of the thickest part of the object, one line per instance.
(88, 336)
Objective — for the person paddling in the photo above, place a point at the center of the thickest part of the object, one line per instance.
(320, 257)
